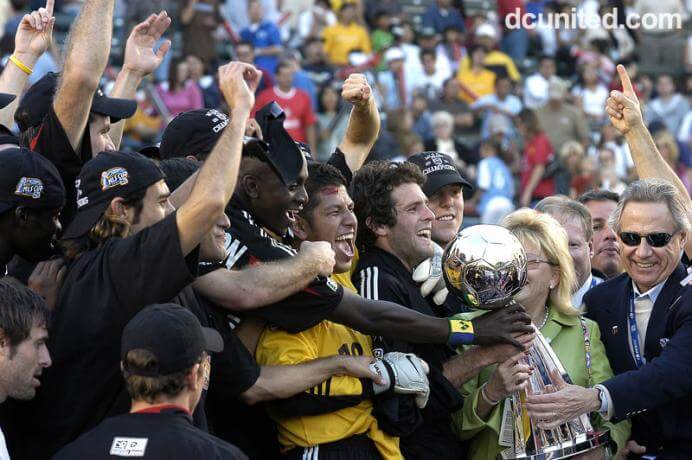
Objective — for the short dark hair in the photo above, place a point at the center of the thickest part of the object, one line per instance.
(20, 309)
(371, 191)
(598, 195)
(284, 63)
(177, 171)
(427, 52)
(149, 389)
(320, 175)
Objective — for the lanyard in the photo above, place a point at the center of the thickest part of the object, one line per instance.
(634, 334)
(587, 347)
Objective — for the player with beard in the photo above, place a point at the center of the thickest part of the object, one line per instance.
(606, 261)
(394, 236)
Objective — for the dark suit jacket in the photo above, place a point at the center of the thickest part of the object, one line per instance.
(658, 396)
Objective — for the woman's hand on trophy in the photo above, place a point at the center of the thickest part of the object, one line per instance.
(502, 326)
(509, 377)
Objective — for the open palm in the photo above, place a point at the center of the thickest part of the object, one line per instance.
(35, 32)
(140, 56)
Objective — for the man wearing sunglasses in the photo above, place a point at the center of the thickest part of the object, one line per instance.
(645, 319)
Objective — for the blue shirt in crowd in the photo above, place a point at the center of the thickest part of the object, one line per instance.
(263, 35)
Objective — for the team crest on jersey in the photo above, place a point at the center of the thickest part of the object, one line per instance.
(114, 177)
(332, 284)
(29, 186)
(129, 447)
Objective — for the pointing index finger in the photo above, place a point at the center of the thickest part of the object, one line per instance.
(50, 5)
(625, 79)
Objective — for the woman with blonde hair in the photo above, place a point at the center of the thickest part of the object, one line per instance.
(576, 340)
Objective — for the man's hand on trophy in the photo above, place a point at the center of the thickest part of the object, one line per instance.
(429, 274)
(567, 403)
(508, 378)
(502, 326)
(502, 352)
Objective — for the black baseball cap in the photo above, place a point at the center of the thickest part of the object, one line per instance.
(7, 136)
(284, 155)
(5, 99)
(29, 179)
(439, 170)
(192, 133)
(106, 176)
(172, 334)
(37, 101)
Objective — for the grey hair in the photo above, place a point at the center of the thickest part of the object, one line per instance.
(562, 206)
(653, 190)
(441, 116)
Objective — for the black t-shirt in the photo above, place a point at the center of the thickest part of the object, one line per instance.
(163, 433)
(381, 276)
(248, 243)
(103, 289)
(52, 142)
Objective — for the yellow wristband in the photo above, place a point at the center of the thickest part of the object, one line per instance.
(26, 69)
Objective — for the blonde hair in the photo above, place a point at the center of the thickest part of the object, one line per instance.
(667, 140)
(571, 147)
(544, 232)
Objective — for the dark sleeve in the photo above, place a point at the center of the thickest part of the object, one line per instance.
(316, 403)
(52, 142)
(664, 379)
(149, 266)
(338, 160)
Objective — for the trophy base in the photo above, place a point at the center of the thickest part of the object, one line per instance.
(580, 445)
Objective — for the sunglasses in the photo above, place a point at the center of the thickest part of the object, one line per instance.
(655, 240)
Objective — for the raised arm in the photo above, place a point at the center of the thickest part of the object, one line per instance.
(364, 121)
(216, 180)
(33, 38)
(140, 61)
(267, 283)
(86, 58)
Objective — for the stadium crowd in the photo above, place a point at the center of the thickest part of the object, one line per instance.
(222, 226)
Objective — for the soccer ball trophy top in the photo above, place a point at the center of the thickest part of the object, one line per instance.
(485, 266)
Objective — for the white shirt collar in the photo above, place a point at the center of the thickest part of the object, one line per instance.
(579, 295)
(651, 293)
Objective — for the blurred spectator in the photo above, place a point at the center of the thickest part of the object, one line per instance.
(568, 161)
(501, 103)
(662, 47)
(669, 107)
(537, 158)
(495, 185)
(587, 177)
(14, 16)
(421, 116)
(381, 36)
(313, 20)
(179, 93)
(495, 60)
(442, 15)
(536, 85)
(611, 139)
(199, 19)
(300, 117)
(442, 140)
(331, 122)
(665, 142)
(475, 80)
(453, 45)
(560, 120)
(144, 126)
(428, 39)
(264, 36)
(391, 8)
(236, 12)
(590, 96)
(515, 42)
(449, 102)
(392, 82)
(608, 177)
(206, 83)
(596, 56)
(301, 79)
(315, 62)
(430, 79)
(138, 10)
(345, 36)
(245, 52)
(404, 38)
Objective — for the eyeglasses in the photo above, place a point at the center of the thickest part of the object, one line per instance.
(655, 240)
(533, 263)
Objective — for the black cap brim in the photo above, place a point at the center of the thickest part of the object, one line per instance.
(435, 182)
(84, 220)
(6, 99)
(116, 109)
(212, 340)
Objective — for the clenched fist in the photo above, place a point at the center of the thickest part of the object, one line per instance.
(321, 254)
(356, 90)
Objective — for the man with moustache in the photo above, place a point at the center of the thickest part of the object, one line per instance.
(605, 261)
(394, 235)
(576, 220)
(645, 318)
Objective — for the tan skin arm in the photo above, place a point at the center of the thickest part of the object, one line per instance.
(363, 124)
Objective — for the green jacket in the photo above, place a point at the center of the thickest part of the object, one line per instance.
(566, 336)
